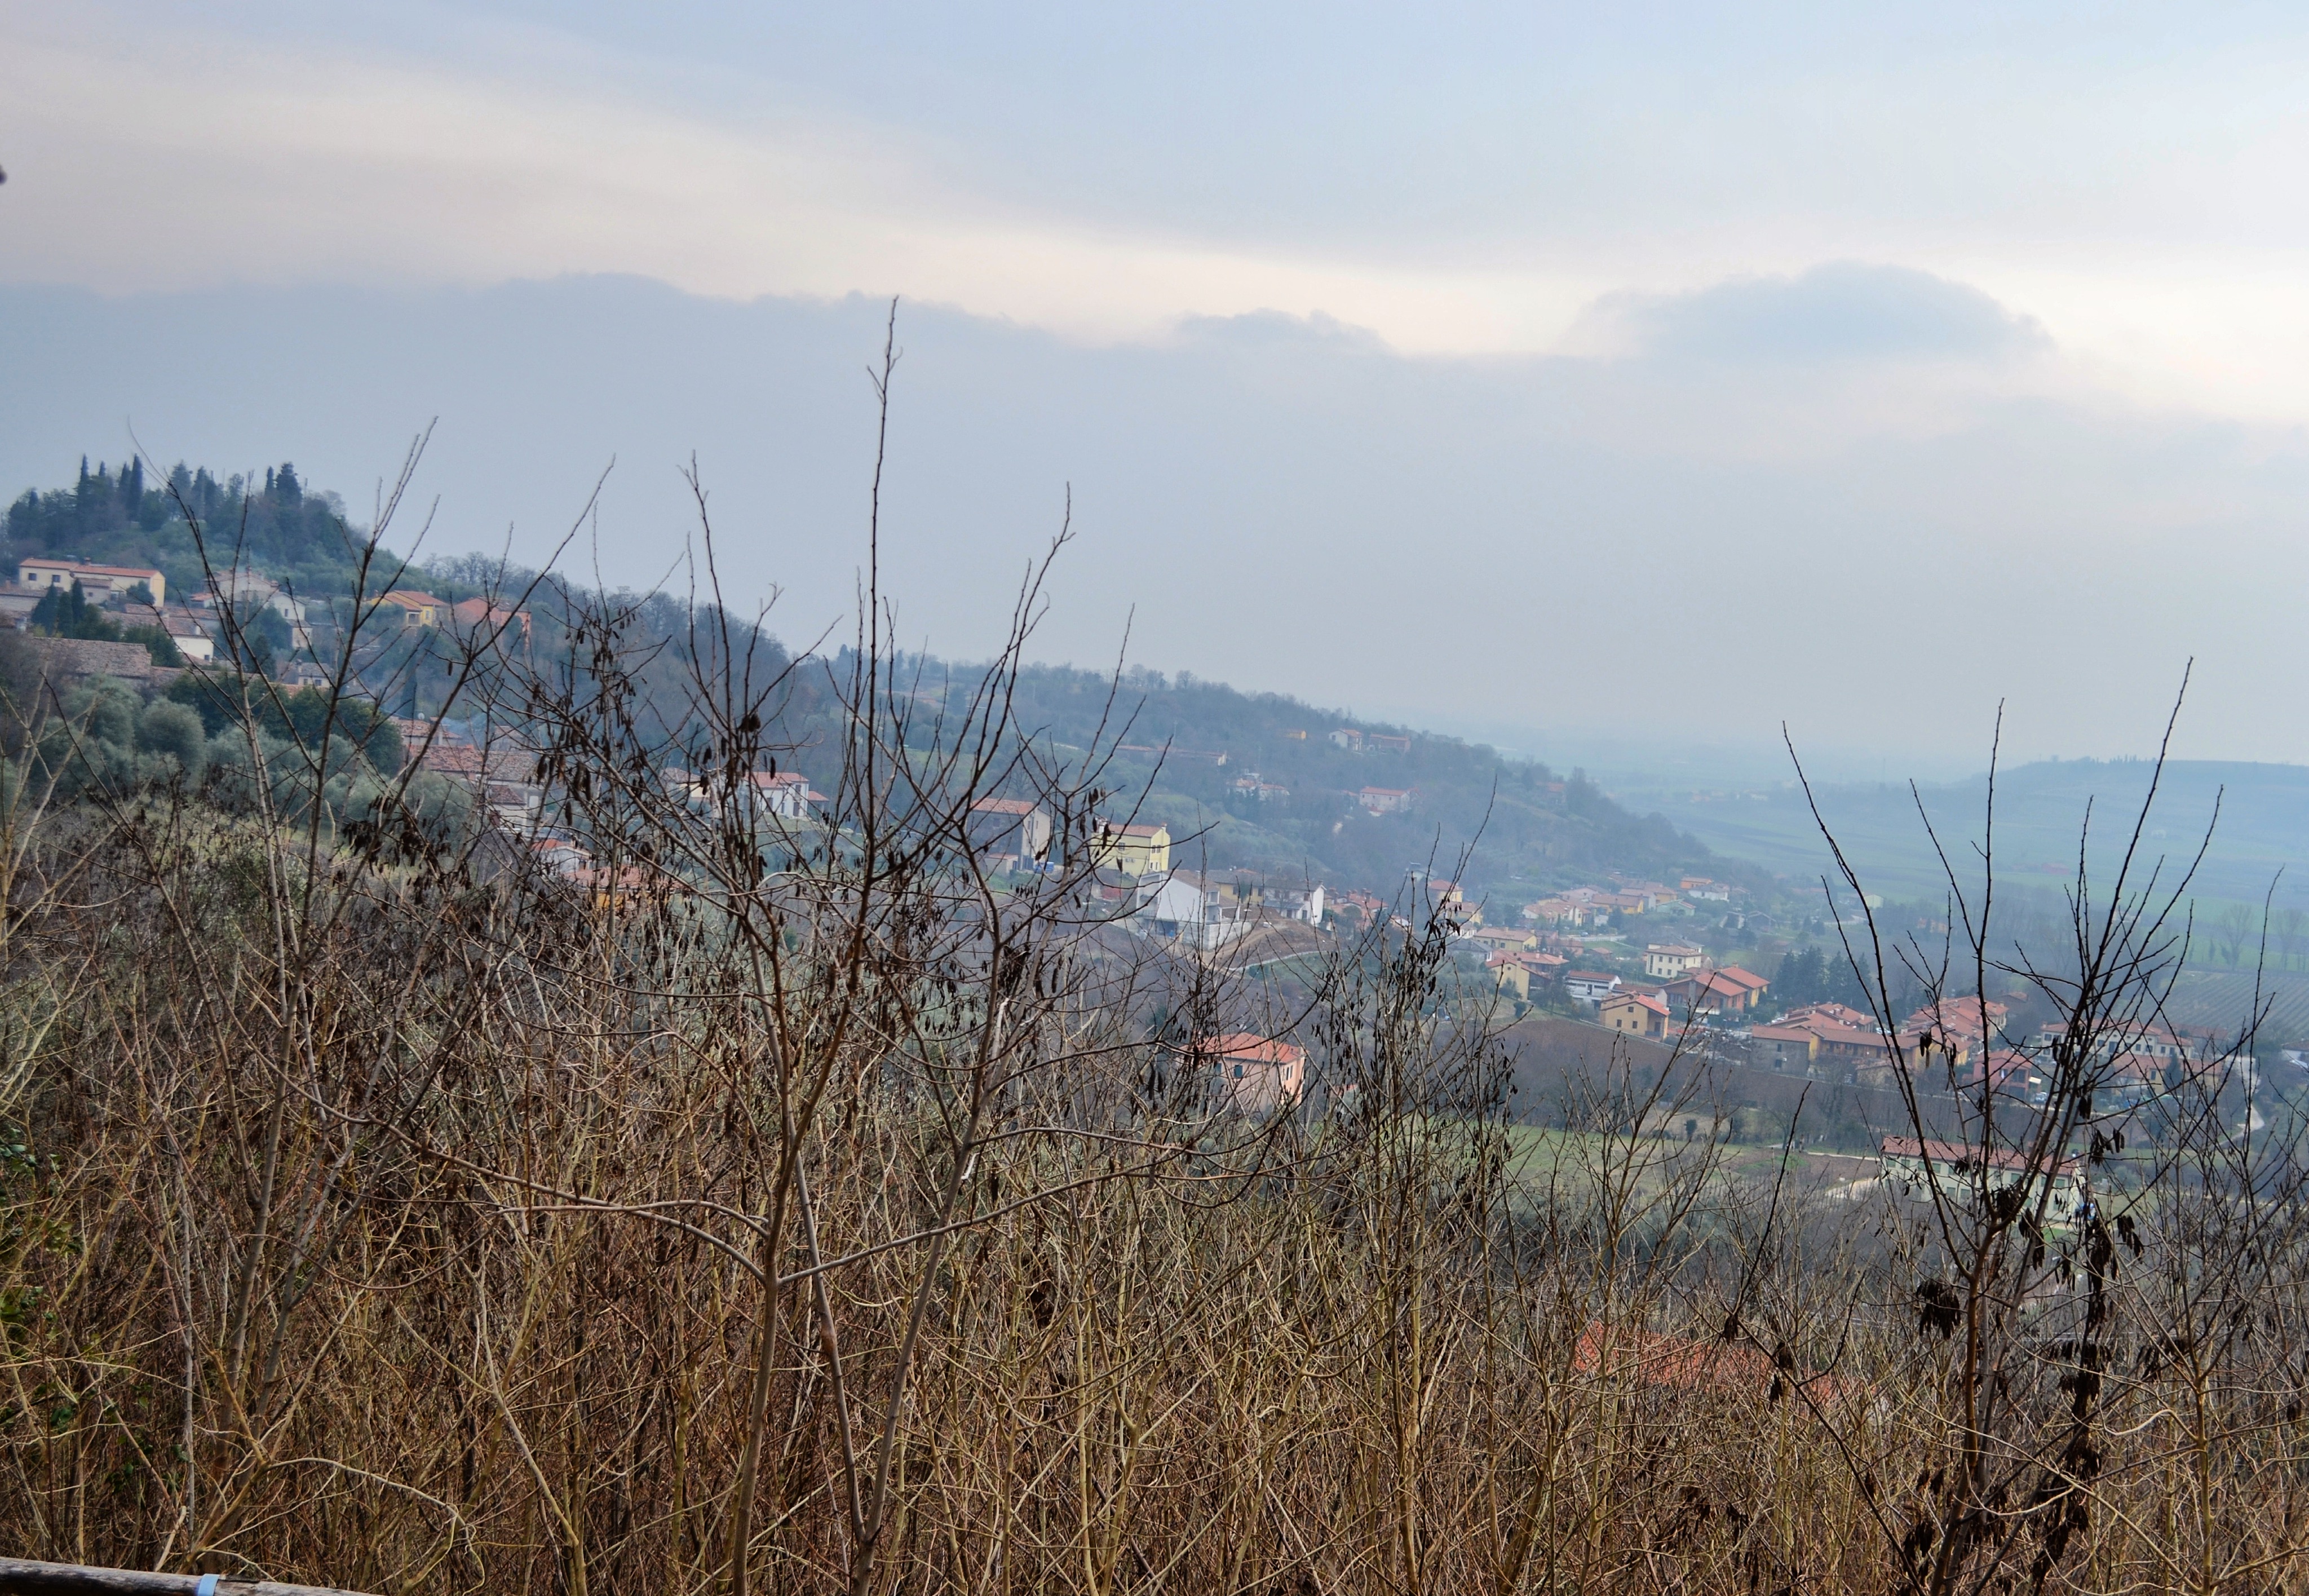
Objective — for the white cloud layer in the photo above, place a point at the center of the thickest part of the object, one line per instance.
(1464, 186)
(1667, 546)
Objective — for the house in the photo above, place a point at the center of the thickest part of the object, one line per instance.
(1298, 735)
(1782, 1047)
(243, 590)
(1754, 985)
(190, 637)
(1707, 891)
(188, 631)
(1520, 972)
(1590, 986)
(2152, 1040)
(1203, 912)
(416, 609)
(1502, 939)
(1248, 786)
(1174, 904)
(1249, 892)
(1848, 1044)
(1303, 901)
(1255, 1074)
(1832, 1013)
(1134, 850)
(1348, 737)
(1399, 745)
(1385, 801)
(1364, 908)
(1563, 911)
(1957, 1027)
(475, 616)
(98, 583)
(1915, 1167)
(1510, 975)
(1010, 826)
(786, 794)
(1634, 1014)
(1727, 991)
(1666, 961)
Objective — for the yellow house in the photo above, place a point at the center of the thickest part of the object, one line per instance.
(1134, 850)
(98, 583)
(1635, 1014)
(417, 609)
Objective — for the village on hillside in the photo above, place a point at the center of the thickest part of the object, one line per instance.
(1635, 957)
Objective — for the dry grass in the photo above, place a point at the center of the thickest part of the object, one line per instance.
(379, 1216)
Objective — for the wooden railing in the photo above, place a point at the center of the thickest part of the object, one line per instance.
(19, 1577)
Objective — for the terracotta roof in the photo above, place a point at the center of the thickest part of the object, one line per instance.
(1783, 1033)
(1688, 1364)
(1252, 1049)
(1747, 978)
(476, 611)
(1620, 1000)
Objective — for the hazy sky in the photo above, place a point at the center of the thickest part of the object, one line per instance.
(1665, 369)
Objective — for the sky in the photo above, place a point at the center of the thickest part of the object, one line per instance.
(1661, 373)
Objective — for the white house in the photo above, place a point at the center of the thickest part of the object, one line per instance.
(1958, 1167)
(1182, 905)
(786, 794)
(1589, 986)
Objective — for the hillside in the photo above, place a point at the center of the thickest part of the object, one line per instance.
(1266, 781)
(1240, 779)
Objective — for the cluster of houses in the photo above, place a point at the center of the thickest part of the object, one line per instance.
(1594, 907)
(135, 595)
(138, 596)
(1139, 884)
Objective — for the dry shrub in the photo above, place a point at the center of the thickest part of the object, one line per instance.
(386, 1212)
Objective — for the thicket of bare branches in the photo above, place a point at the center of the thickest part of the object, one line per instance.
(788, 1203)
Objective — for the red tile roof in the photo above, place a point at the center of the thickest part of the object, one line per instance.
(1252, 1049)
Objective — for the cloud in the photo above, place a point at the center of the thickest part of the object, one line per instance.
(1279, 329)
(1878, 554)
(1842, 312)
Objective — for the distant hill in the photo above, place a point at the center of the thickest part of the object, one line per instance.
(2262, 828)
(1532, 827)
(1242, 779)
